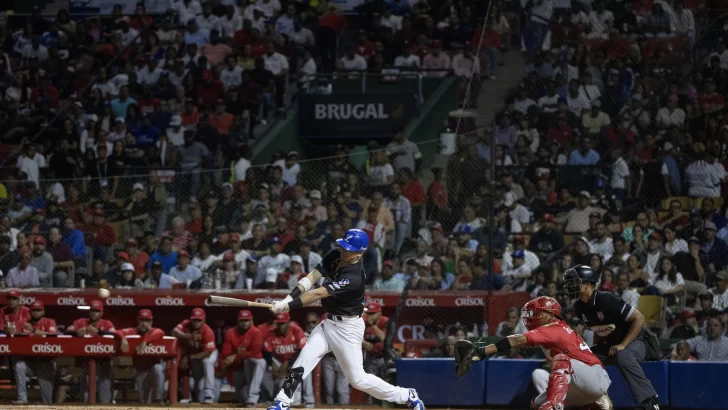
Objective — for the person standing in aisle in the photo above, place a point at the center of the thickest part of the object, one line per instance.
(342, 297)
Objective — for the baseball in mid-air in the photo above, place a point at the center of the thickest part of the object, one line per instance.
(104, 293)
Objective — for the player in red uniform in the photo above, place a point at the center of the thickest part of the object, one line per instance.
(279, 347)
(13, 316)
(374, 334)
(242, 352)
(577, 377)
(44, 368)
(94, 325)
(149, 370)
(199, 354)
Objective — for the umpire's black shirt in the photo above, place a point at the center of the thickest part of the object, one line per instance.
(606, 308)
(345, 286)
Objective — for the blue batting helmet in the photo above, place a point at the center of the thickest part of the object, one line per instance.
(355, 240)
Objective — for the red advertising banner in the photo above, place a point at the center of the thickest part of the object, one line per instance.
(94, 346)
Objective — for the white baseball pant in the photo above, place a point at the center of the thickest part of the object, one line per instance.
(248, 381)
(145, 380)
(203, 372)
(344, 338)
(42, 368)
(586, 384)
(334, 381)
(305, 389)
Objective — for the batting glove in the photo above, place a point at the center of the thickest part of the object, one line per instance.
(287, 299)
(280, 307)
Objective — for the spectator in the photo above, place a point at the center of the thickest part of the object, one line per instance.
(23, 275)
(713, 347)
(165, 255)
(689, 327)
(513, 325)
(42, 261)
(719, 292)
(629, 296)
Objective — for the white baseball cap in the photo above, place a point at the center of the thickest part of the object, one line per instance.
(176, 121)
(138, 185)
(126, 267)
(297, 258)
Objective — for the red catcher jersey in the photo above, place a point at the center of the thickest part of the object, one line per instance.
(558, 338)
(284, 347)
(206, 342)
(369, 336)
(265, 328)
(103, 325)
(19, 319)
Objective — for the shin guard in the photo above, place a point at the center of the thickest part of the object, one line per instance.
(293, 380)
(559, 379)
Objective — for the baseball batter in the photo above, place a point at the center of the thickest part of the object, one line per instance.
(342, 297)
(149, 370)
(577, 376)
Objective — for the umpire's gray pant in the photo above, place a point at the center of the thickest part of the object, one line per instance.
(42, 368)
(104, 376)
(146, 379)
(629, 362)
(586, 384)
(334, 381)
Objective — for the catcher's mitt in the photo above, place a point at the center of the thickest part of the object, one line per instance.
(465, 355)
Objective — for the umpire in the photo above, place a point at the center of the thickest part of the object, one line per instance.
(629, 344)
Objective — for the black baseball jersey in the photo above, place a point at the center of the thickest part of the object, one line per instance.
(345, 286)
(606, 308)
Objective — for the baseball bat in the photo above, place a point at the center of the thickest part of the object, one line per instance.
(221, 300)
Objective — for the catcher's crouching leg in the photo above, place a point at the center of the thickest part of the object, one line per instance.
(559, 380)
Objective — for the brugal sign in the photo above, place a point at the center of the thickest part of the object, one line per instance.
(354, 116)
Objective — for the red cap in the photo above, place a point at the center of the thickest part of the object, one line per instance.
(656, 236)
(99, 212)
(123, 255)
(228, 256)
(198, 313)
(547, 218)
(14, 293)
(283, 318)
(37, 305)
(183, 254)
(688, 313)
(437, 227)
(132, 242)
(235, 237)
(97, 305)
(519, 238)
(245, 315)
(374, 307)
(39, 240)
(387, 263)
(145, 314)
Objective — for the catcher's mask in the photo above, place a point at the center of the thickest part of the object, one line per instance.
(572, 284)
(532, 311)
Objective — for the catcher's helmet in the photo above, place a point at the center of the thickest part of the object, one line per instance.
(574, 277)
(531, 313)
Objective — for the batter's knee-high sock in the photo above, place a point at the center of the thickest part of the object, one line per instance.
(290, 384)
(378, 388)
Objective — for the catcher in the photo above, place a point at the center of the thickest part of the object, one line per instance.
(577, 378)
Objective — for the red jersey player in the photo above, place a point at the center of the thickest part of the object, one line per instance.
(242, 352)
(92, 326)
(197, 341)
(577, 376)
(375, 332)
(44, 368)
(281, 344)
(149, 370)
(13, 316)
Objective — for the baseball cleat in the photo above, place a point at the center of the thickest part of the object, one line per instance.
(413, 401)
(208, 400)
(279, 406)
(604, 402)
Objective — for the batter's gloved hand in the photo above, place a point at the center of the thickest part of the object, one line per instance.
(280, 307)
(465, 355)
